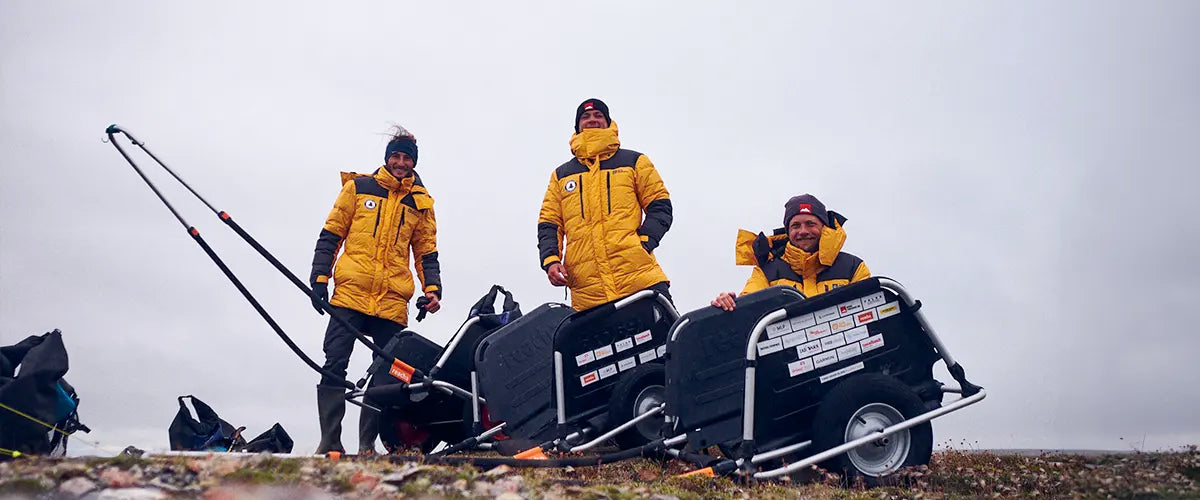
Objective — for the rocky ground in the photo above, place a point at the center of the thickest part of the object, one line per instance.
(952, 474)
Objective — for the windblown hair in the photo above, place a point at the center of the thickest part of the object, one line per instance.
(399, 132)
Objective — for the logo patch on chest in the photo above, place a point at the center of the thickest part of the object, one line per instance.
(570, 186)
(369, 204)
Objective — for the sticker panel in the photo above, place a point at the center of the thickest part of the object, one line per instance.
(770, 346)
(887, 310)
(624, 344)
(873, 300)
(647, 356)
(794, 339)
(829, 313)
(850, 307)
(833, 341)
(841, 372)
(801, 322)
(643, 337)
(800, 367)
(864, 317)
(872, 342)
(603, 352)
(825, 359)
(611, 370)
(841, 324)
(589, 378)
(584, 358)
(845, 352)
(778, 328)
(818, 331)
(626, 363)
(857, 334)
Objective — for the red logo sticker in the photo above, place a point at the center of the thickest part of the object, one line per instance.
(866, 316)
(805, 208)
(588, 106)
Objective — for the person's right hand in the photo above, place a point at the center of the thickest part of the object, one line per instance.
(724, 301)
(320, 293)
(557, 274)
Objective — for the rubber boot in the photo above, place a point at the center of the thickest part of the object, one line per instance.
(331, 407)
(368, 431)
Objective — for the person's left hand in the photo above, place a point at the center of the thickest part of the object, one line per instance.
(434, 303)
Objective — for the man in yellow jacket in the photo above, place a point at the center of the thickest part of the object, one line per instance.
(379, 219)
(806, 254)
(611, 208)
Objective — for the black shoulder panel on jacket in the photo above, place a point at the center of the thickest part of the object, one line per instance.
(368, 185)
(571, 167)
(622, 158)
(842, 269)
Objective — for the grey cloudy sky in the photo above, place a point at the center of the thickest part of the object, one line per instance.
(1025, 168)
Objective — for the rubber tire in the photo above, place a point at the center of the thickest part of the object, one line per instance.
(621, 404)
(389, 419)
(854, 393)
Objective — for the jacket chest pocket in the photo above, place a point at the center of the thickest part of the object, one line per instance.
(620, 193)
(368, 215)
(406, 220)
(573, 200)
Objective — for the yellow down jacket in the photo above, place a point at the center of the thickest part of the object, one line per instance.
(778, 262)
(611, 208)
(379, 219)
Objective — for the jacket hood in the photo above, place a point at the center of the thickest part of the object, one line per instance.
(750, 249)
(594, 145)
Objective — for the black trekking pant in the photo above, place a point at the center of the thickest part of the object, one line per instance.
(339, 342)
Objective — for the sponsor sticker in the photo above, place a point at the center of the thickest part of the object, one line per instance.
(627, 363)
(803, 321)
(647, 356)
(643, 337)
(856, 334)
(864, 317)
(850, 307)
(800, 367)
(818, 331)
(770, 346)
(826, 314)
(611, 370)
(825, 359)
(369, 204)
(848, 351)
(778, 328)
(584, 358)
(624, 344)
(873, 300)
(662, 349)
(841, 324)
(832, 341)
(809, 348)
(603, 352)
(794, 339)
(588, 378)
(887, 310)
(872, 342)
(841, 372)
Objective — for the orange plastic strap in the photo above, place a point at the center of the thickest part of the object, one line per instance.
(193, 231)
(224, 216)
(401, 370)
(531, 454)
(707, 471)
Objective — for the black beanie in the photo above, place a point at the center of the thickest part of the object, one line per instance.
(804, 204)
(589, 105)
(401, 145)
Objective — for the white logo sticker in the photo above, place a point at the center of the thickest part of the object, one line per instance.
(643, 337)
(888, 310)
(801, 322)
(611, 370)
(627, 363)
(584, 358)
(819, 331)
(809, 348)
(850, 307)
(369, 204)
(872, 342)
(570, 186)
(848, 351)
(832, 341)
(624, 344)
(588, 378)
(872, 300)
(794, 339)
(826, 314)
(800, 367)
(841, 372)
(824, 359)
(777, 329)
(647, 356)
(603, 352)
(856, 334)
(841, 324)
(770, 346)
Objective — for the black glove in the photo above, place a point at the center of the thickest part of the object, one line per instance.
(320, 293)
(422, 303)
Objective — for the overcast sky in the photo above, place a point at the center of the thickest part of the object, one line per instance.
(1026, 169)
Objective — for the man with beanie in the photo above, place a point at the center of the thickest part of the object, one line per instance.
(611, 207)
(379, 218)
(805, 253)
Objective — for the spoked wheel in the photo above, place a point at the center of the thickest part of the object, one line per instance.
(641, 390)
(863, 405)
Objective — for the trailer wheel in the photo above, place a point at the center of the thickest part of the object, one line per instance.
(864, 404)
(640, 390)
(399, 434)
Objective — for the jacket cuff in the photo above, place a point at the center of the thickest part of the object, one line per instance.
(437, 290)
(321, 279)
(549, 260)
